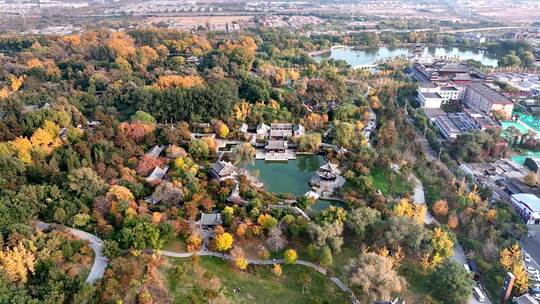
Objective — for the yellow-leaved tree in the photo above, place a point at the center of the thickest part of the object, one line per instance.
(415, 211)
(120, 193)
(16, 82)
(441, 243)
(224, 241)
(290, 256)
(17, 262)
(21, 146)
(512, 260)
(277, 270)
(176, 81)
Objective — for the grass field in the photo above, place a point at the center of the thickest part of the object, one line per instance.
(389, 182)
(216, 279)
(417, 279)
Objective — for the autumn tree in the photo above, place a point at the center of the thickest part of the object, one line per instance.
(120, 193)
(290, 256)
(17, 262)
(375, 275)
(267, 221)
(440, 208)
(176, 81)
(239, 258)
(441, 243)
(277, 270)
(310, 142)
(531, 179)
(453, 221)
(148, 163)
(275, 239)
(511, 260)
(411, 210)
(224, 241)
(244, 154)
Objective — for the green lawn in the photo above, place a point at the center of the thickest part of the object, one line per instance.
(417, 280)
(389, 182)
(258, 284)
(177, 245)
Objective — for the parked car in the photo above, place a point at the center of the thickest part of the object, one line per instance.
(474, 269)
(527, 258)
(479, 294)
(534, 290)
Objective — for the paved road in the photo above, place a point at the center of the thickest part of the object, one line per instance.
(459, 254)
(531, 245)
(420, 198)
(100, 262)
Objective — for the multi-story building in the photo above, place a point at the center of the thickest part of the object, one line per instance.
(482, 98)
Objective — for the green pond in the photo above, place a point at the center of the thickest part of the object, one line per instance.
(291, 176)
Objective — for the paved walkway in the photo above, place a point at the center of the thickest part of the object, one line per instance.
(420, 198)
(100, 261)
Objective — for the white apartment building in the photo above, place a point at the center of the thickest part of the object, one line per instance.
(528, 206)
(432, 96)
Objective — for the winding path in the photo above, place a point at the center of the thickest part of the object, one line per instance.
(228, 257)
(100, 261)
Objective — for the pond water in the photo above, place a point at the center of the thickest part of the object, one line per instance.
(322, 204)
(288, 177)
(365, 57)
(292, 177)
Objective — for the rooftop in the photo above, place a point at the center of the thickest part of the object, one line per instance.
(489, 93)
(280, 126)
(462, 76)
(210, 219)
(525, 299)
(449, 89)
(447, 124)
(222, 168)
(276, 145)
(157, 174)
(530, 200)
(456, 68)
(430, 95)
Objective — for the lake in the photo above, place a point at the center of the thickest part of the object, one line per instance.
(365, 57)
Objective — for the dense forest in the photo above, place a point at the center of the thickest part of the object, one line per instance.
(81, 115)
